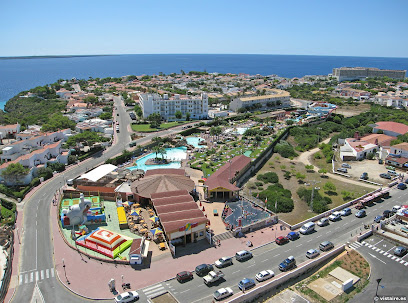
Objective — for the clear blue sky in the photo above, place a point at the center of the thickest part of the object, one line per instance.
(314, 27)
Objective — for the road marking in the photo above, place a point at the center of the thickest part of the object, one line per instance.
(319, 236)
(394, 257)
(42, 274)
(182, 292)
(26, 278)
(389, 256)
(20, 280)
(402, 261)
(385, 253)
(52, 272)
(201, 285)
(406, 264)
(47, 273)
(265, 260)
(287, 250)
(328, 233)
(310, 240)
(236, 272)
(397, 259)
(299, 245)
(369, 246)
(378, 242)
(251, 265)
(276, 255)
(152, 287)
(36, 276)
(31, 277)
(390, 249)
(377, 258)
(381, 251)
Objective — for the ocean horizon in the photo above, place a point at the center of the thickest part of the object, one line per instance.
(23, 73)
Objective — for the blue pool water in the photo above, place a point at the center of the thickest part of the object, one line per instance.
(177, 153)
(194, 142)
(248, 153)
(241, 130)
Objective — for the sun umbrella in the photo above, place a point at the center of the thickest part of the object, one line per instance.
(156, 231)
(125, 203)
(134, 214)
(154, 219)
(138, 210)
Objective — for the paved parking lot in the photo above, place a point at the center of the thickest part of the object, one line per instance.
(369, 166)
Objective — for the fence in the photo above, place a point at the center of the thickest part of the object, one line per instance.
(255, 293)
(4, 284)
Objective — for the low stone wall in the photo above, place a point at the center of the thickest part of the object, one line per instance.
(364, 235)
(255, 293)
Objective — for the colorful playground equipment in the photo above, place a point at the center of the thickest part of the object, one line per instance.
(105, 242)
(81, 213)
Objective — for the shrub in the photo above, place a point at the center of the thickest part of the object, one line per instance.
(269, 177)
(257, 183)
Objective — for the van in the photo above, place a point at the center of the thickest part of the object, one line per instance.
(243, 255)
(70, 182)
(326, 245)
(307, 228)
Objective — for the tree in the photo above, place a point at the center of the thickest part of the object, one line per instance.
(188, 116)
(287, 175)
(155, 120)
(309, 168)
(323, 171)
(215, 131)
(159, 149)
(290, 122)
(87, 137)
(91, 99)
(329, 188)
(14, 172)
(300, 177)
(178, 114)
(58, 122)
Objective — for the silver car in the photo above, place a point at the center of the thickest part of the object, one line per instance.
(312, 253)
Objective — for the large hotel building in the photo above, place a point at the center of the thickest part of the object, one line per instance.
(168, 106)
(273, 98)
(357, 73)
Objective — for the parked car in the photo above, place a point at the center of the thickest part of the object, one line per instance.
(281, 240)
(288, 264)
(361, 213)
(293, 235)
(393, 173)
(400, 251)
(184, 276)
(326, 245)
(378, 219)
(307, 228)
(222, 262)
(364, 176)
(345, 165)
(396, 208)
(342, 170)
(345, 212)
(385, 176)
(264, 275)
(387, 213)
(312, 253)
(335, 216)
(246, 283)
(402, 186)
(243, 255)
(323, 222)
(126, 297)
(203, 269)
(222, 293)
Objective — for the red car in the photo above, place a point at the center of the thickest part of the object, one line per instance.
(184, 276)
(281, 240)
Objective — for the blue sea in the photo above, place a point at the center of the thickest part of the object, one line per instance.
(22, 74)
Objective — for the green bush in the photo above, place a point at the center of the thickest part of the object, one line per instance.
(282, 197)
(269, 177)
(257, 183)
(285, 149)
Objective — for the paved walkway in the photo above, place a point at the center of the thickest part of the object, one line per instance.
(90, 278)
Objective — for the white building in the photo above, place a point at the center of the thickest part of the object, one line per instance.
(400, 149)
(273, 98)
(213, 113)
(9, 130)
(167, 106)
(355, 149)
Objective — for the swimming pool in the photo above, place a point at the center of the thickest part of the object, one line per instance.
(194, 141)
(241, 130)
(177, 153)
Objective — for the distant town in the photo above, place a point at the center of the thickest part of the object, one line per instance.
(191, 180)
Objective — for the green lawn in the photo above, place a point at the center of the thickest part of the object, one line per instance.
(145, 128)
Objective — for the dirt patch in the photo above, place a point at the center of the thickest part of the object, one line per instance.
(352, 110)
(301, 209)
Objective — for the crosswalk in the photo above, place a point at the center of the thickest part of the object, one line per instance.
(356, 245)
(154, 291)
(35, 276)
(224, 236)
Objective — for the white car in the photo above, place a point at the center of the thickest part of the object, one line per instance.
(129, 296)
(264, 275)
(335, 216)
(323, 222)
(222, 293)
(312, 253)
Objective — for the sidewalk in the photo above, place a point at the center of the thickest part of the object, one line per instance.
(89, 278)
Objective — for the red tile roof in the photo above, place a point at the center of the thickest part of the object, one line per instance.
(400, 160)
(165, 195)
(136, 247)
(392, 126)
(163, 209)
(221, 177)
(402, 146)
(166, 171)
(379, 139)
(172, 200)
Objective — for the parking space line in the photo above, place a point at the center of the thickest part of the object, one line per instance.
(264, 260)
(381, 251)
(235, 272)
(391, 248)
(389, 256)
(378, 242)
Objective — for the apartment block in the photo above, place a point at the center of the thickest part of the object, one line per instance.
(357, 73)
(273, 98)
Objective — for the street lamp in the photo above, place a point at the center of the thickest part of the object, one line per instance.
(378, 284)
(65, 272)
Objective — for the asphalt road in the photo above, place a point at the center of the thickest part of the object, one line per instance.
(36, 258)
(270, 255)
(392, 271)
